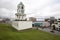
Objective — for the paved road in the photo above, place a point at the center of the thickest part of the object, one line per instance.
(48, 30)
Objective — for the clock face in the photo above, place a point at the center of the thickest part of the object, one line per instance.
(20, 10)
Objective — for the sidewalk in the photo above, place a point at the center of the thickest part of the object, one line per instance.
(48, 30)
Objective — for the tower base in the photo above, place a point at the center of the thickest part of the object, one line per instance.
(21, 25)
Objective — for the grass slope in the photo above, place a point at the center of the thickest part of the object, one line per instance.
(9, 33)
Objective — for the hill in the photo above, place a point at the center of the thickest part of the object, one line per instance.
(9, 33)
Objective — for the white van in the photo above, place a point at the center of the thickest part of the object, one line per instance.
(57, 25)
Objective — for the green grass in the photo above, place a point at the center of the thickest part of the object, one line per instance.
(9, 33)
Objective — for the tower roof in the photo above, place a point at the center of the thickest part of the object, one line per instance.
(20, 3)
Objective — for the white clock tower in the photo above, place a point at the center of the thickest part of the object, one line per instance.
(20, 12)
(21, 23)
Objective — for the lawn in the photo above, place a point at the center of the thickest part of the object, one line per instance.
(9, 33)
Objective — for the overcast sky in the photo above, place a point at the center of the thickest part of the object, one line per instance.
(33, 8)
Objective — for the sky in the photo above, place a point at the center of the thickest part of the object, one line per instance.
(33, 8)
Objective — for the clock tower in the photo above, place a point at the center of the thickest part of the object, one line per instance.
(21, 23)
(20, 12)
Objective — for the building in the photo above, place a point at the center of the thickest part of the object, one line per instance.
(32, 19)
(21, 23)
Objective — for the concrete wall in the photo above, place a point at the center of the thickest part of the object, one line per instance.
(21, 25)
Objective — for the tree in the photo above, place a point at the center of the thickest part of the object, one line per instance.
(7, 19)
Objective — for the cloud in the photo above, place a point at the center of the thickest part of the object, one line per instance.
(35, 8)
(7, 13)
(50, 10)
(8, 4)
(4, 12)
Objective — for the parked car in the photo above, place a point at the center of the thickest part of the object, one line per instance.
(57, 26)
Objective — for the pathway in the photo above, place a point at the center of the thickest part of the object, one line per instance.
(48, 30)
